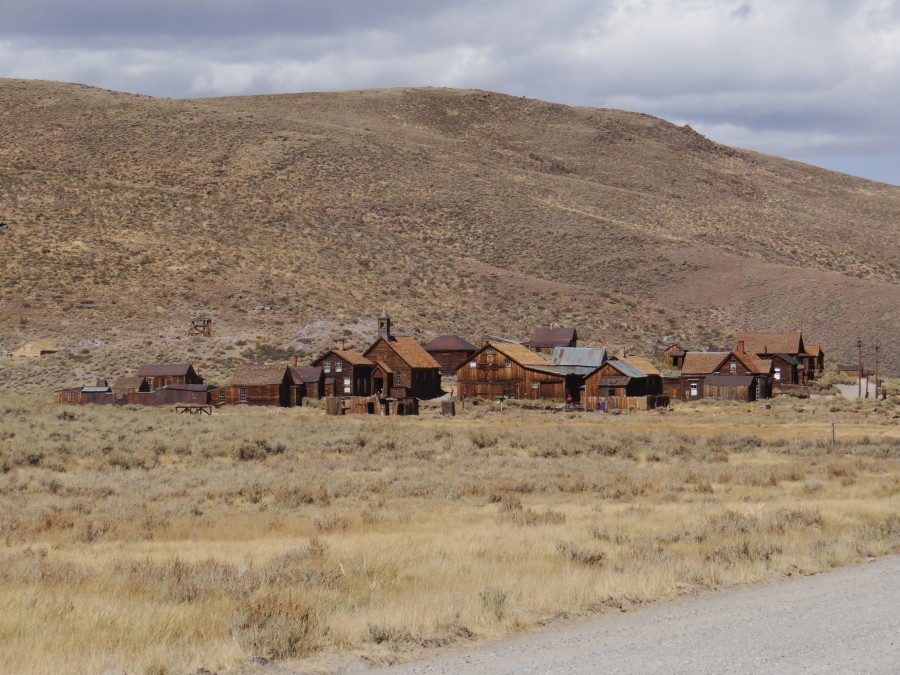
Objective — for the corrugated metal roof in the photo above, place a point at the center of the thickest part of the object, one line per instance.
(95, 390)
(626, 368)
(585, 357)
(449, 343)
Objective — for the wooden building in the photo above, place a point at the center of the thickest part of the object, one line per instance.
(404, 368)
(670, 354)
(510, 370)
(618, 377)
(766, 345)
(159, 375)
(450, 351)
(691, 385)
(787, 370)
(575, 364)
(270, 384)
(34, 349)
(309, 380)
(345, 373)
(130, 384)
(546, 339)
(817, 361)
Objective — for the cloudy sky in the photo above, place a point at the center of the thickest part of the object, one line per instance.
(813, 80)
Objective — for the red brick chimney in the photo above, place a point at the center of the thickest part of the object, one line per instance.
(340, 344)
(294, 361)
(740, 347)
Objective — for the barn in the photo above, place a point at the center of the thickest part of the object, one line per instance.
(510, 370)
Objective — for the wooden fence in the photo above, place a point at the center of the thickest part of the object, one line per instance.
(608, 403)
(370, 405)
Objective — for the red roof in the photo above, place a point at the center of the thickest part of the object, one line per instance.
(553, 337)
(450, 343)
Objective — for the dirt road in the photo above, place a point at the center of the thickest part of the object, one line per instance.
(846, 621)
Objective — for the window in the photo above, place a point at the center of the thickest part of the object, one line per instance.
(507, 363)
(346, 381)
(535, 385)
(732, 366)
(489, 351)
(326, 367)
(777, 372)
(472, 364)
(338, 366)
(222, 398)
(242, 395)
(694, 389)
(397, 379)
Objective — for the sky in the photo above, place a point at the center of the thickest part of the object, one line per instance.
(813, 80)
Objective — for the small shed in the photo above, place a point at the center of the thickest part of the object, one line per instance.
(309, 382)
(450, 351)
(34, 349)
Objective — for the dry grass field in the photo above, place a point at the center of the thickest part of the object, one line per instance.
(293, 220)
(138, 540)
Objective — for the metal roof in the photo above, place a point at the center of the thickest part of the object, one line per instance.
(627, 369)
(95, 390)
(584, 357)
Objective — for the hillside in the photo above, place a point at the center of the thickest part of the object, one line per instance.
(292, 220)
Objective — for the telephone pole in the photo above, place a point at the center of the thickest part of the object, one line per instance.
(859, 372)
(876, 369)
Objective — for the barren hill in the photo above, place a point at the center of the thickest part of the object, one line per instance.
(293, 219)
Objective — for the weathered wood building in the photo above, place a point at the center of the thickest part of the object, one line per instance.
(403, 368)
(670, 354)
(159, 375)
(767, 345)
(510, 370)
(270, 384)
(309, 381)
(34, 349)
(691, 384)
(345, 372)
(450, 351)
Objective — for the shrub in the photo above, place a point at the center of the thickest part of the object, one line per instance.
(494, 602)
(277, 626)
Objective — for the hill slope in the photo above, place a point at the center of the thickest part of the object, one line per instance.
(293, 219)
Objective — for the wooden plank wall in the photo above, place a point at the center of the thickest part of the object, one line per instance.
(625, 402)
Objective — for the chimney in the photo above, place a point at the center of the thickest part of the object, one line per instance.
(740, 347)
(384, 326)
(622, 353)
(294, 361)
(340, 344)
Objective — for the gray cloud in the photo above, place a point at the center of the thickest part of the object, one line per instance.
(815, 81)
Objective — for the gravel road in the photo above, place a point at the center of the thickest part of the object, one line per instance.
(847, 621)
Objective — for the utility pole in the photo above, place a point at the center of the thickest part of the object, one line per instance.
(859, 366)
(876, 369)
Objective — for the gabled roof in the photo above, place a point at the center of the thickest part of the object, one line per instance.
(582, 357)
(129, 382)
(642, 364)
(163, 369)
(521, 355)
(771, 343)
(449, 343)
(702, 362)
(545, 338)
(37, 346)
(350, 356)
(304, 374)
(95, 390)
(385, 368)
(788, 358)
(755, 365)
(627, 369)
(409, 350)
(813, 350)
(253, 375)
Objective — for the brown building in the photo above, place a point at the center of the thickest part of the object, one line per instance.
(130, 385)
(450, 351)
(670, 354)
(34, 349)
(270, 384)
(692, 385)
(546, 339)
(511, 370)
(345, 373)
(159, 375)
(403, 367)
(310, 380)
(620, 377)
(766, 345)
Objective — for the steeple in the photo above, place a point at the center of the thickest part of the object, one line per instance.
(384, 326)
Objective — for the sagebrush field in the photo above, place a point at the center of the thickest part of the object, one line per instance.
(141, 540)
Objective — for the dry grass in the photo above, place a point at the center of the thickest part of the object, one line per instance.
(141, 540)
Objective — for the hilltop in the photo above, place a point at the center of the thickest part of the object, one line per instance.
(294, 219)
